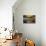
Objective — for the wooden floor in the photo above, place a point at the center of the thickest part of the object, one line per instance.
(12, 42)
(9, 43)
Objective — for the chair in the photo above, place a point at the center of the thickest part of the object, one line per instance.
(29, 43)
(18, 39)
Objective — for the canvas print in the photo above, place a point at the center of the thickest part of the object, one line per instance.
(29, 19)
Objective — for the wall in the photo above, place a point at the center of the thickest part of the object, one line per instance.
(30, 31)
(6, 16)
(6, 13)
(43, 22)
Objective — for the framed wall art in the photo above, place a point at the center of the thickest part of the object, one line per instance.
(29, 18)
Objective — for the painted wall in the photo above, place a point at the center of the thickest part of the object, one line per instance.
(30, 31)
(6, 13)
(43, 22)
(6, 16)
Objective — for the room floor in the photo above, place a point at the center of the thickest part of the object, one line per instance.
(9, 43)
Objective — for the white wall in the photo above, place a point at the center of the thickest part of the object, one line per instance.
(31, 31)
(6, 13)
(43, 22)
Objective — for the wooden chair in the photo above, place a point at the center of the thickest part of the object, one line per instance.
(29, 43)
(18, 37)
